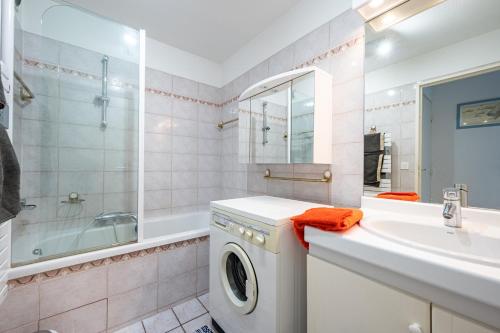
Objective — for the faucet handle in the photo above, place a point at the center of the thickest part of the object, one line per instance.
(451, 193)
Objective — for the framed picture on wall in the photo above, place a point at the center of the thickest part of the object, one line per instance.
(479, 113)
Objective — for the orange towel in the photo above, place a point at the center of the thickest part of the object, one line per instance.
(328, 219)
(405, 196)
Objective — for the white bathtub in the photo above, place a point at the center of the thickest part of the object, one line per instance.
(157, 231)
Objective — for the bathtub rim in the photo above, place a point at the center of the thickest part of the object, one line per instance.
(146, 243)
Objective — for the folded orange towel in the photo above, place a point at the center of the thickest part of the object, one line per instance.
(405, 196)
(328, 219)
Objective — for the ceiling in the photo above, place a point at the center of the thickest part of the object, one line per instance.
(213, 29)
(440, 26)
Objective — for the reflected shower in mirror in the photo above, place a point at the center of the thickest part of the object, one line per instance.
(431, 103)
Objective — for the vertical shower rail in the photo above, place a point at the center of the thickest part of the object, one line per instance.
(104, 99)
(265, 127)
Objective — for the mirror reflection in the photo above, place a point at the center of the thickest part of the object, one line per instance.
(432, 110)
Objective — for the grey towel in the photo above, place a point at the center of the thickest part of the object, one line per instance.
(10, 177)
(374, 142)
(373, 168)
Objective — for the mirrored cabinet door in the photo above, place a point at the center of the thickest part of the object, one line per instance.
(287, 119)
(302, 119)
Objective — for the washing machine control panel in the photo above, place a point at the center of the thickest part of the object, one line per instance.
(251, 231)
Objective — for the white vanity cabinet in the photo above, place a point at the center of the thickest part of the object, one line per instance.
(444, 321)
(339, 301)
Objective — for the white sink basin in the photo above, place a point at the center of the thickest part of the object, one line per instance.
(474, 242)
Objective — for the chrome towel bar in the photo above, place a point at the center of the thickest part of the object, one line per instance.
(221, 124)
(25, 92)
(327, 177)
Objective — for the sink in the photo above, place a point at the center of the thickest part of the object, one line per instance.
(475, 242)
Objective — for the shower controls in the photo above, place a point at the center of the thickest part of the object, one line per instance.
(103, 100)
(73, 198)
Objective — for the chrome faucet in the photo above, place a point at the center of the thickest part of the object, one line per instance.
(464, 194)
(452, 208)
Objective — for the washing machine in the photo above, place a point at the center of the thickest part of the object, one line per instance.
(257, 267)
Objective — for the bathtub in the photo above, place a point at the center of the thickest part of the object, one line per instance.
(157, 231)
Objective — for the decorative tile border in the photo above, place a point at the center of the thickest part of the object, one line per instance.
(390, 106)
(101, 262)
(113, 83)
(314, 61)
(180, 97)
(332, 52)
(317, 59)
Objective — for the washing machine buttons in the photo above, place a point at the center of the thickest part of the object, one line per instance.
(249, 233)
(260, 239)
(241, 230)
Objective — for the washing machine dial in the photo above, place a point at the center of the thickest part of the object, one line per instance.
(249, 233)
(241, 230)
(260, 239)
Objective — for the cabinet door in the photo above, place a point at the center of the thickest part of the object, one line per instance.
(339, 301)
(447, 322)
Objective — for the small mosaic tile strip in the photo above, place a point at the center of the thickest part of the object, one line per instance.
(317, 59)
(101, 262)
(113, 82)
(314, 61)
(180, 97)
(332, 52)
(390, 106)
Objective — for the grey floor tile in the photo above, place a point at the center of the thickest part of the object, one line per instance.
(161, 322)
(196, 324)
(189, 310)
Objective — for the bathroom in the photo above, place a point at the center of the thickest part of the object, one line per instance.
(166, 151)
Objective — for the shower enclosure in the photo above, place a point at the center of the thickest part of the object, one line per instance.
(77, 135)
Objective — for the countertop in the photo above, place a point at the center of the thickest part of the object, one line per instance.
(467, 288)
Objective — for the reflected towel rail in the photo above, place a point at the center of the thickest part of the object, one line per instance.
(25, 92)
(221, 124)
(327, 177)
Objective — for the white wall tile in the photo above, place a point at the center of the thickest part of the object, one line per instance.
(133, 304)
(88, 318)
(69, 292)
(176, 289)
(184, 87)
(175, 262)
(21, 307)
(138, 272)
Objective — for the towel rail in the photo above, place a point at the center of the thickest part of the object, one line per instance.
(327, 177)
(221, 124)
(25, 92)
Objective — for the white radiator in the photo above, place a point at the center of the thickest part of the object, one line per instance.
(386, 172)
(4, 258)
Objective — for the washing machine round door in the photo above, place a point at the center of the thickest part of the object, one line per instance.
(238, 278)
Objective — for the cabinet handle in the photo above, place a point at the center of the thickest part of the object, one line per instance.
(415, 328)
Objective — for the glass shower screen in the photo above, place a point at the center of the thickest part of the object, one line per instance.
(77, 139)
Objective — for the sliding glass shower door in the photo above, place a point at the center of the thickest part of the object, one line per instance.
(77, 137)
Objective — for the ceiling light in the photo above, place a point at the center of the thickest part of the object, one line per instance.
(401, 12)
(391, 92)
(376, 3)
(389, 19)
(384, 48)
(374, 8)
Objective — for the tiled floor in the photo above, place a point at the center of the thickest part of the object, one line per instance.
(188, 317)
